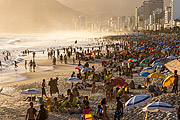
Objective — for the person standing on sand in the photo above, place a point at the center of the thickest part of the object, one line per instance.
(61, 58)
(0, 64)
(43, 113)
(119, 109)
(30, 65)
(15, 64)
(34, 65)
(176, 78)
(25, 64)
(31, 113)
(34, 55)
(54, 60)
(43, 88)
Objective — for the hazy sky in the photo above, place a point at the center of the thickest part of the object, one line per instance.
(116, 7)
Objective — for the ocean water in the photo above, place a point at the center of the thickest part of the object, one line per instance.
(15, 44)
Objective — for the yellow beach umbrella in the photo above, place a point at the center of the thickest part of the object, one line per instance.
(155, 75)
(92, 62)
(168, 81)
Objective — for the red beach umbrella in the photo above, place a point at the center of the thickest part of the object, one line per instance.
(89, 54)
(118, 81)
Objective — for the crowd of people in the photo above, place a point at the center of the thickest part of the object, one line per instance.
(116, 56)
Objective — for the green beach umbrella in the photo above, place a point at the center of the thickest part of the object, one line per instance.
(143, 62)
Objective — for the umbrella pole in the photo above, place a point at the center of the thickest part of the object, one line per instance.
(31, 97)
(145, 117)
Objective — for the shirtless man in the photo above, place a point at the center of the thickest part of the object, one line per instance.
(31, 112)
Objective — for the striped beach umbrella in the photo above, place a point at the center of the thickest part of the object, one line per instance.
(31, 92)
(138, 100)
(158, 106)
(148, 69)
(144, 74)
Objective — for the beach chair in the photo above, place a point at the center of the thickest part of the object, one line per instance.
(88, 116)
(40, 100)
(64, 104)
(75, 101)
(48, 104)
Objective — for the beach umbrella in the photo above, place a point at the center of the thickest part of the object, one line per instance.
(148, 69)
(31, 92)
(132, 60)
(92, 62)
(158, 106)
(155, 75)
(138, 100)
(158, 64)
(177, 45)
(143, 62)
(163, 60)
(73, 79)
(118, 81)
(144, 74)
(128, 62)
(79, 67)
(168, 81)
(171, 57)
(86, 69)
(89, 54)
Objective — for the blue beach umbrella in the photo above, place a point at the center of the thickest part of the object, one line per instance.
(86, 69)
(158, 106)
(144, 74)
(31, 92)
(171, 57)
(138, 100)
(148, 69)
(158, 64)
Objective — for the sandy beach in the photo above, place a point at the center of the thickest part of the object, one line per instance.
(13, 106)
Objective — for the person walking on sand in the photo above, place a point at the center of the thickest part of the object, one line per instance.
(119, 109)
(176, 78)
(31, 112)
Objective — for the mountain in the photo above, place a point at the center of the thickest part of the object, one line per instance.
(113, 7)
(31, 16)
